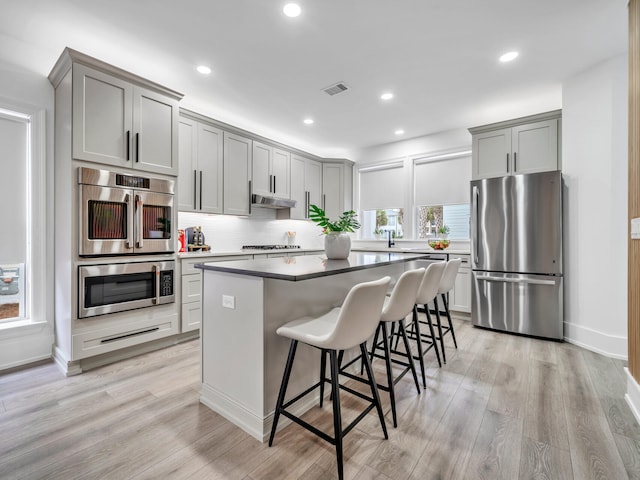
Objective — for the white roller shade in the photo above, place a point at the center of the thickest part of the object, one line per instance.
(383, 187)
(442, 181)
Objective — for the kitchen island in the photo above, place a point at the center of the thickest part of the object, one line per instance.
(245, 301)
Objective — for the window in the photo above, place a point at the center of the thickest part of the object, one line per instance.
(376, 224)
(431, 219)
(14, 214)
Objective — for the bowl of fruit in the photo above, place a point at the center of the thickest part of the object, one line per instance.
(439, 243)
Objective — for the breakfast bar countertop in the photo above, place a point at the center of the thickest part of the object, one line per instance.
(309, 266)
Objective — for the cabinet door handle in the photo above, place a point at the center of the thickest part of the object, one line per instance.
(128, 145)
(195, 189)
(514, 162)
(200, 189)
(507, 163)
(137, 147)
(306, 204)
(270, 183)
(274, 184)
(250, 197)
(324, 201)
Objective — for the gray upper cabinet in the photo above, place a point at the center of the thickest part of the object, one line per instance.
(337, 187)
(200, 160)
(270, 171)
(525, 145)
(306, 185)
(237, 174)
(119, 123)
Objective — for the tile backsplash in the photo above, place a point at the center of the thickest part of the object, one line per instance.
(229, 233)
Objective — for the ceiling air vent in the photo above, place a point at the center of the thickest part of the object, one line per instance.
(336, 89)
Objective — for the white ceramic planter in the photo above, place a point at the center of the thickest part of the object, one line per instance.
(337, 245)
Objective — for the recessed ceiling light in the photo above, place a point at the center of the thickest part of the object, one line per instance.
(203, 69)
(507, 57)
(399, 132)
(308, 121)
(291, 10)
(386, 96)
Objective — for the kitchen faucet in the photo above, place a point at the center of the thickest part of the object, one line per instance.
(391, 242)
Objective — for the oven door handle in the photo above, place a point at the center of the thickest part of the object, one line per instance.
(156, 272)
(139, 210)
(130, 226)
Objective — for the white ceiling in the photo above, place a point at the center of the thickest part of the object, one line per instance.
(439, 57)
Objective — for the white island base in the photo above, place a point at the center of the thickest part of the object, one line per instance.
(243, 305)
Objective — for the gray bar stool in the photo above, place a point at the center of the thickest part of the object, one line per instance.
(446, 285)
(340, 329)
(396, 308)
(427, 292)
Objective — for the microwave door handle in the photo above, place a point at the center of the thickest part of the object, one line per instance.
(130, 226)
(139, 209)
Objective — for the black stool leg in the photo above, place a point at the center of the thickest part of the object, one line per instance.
(323, 372)
(437, 309)
(374, 345)
(446, 309)
(433, 335)
(337, 418)
(387, 360)
(416, 327)
(283, 389)
(403, 333)
(374, 387)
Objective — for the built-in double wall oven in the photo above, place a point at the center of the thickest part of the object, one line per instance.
(127, 218)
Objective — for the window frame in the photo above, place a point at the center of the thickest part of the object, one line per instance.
(39, 284)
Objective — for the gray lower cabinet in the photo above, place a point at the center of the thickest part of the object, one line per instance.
(460, 296)
(191, 289)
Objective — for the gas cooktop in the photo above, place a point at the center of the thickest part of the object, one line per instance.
(270, 247)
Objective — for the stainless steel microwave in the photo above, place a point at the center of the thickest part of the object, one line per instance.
(118, 287)
(124, 214)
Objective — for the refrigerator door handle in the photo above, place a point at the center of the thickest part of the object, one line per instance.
(530, 281)
(474, 224)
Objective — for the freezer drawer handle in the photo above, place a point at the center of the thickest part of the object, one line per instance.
(516, 280)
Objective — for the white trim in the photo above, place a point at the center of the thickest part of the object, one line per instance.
(257, 426)
(613, 346)
(633, 395)
(421, 159)
(383, 166)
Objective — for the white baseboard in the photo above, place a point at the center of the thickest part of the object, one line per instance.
(258, 426)
(613, 346)
(633, 395)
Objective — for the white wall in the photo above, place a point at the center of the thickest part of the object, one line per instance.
(595, 168)
(26, 343)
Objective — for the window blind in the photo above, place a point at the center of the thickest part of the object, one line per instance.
(383, 187)
(442, 181)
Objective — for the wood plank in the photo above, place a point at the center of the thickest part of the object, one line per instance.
(496, 452)
(448, 452)
(544, 462)
(510, 389)
(630, 453)
(594, 454)
(544, 419)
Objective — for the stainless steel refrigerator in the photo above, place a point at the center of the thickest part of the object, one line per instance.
(516, 254)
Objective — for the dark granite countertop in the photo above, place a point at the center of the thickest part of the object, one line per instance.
(309, 266)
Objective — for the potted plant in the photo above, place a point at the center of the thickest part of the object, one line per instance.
(443, 231)
(337, 244)
(378, 233)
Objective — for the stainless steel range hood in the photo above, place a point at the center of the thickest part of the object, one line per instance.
(272, 202)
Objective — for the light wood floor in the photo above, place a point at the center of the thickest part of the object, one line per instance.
(503, 407)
